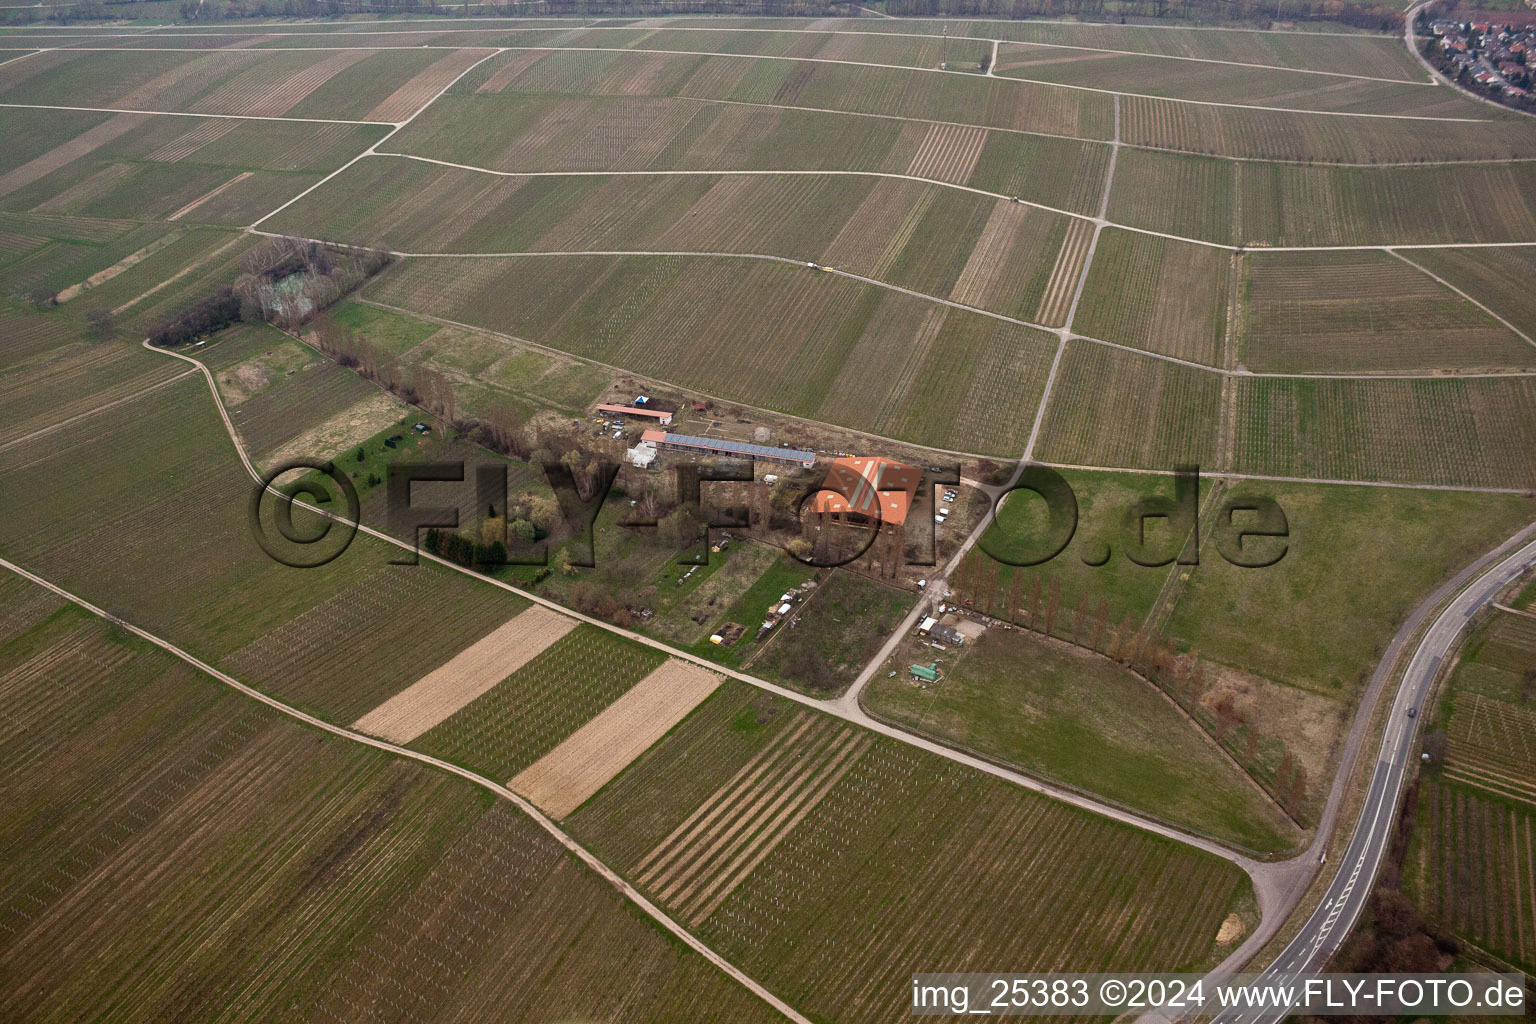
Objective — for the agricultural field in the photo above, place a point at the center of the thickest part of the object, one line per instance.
(1473, 432)
(70, 380)
(861, 89)
(205, 856)
(1176, 301)
(486, 369)
(159, 534)
(1256, 133)
(1127, 411)
(990, 578)
(1312, 273)
(304, 397)
(1346, 54)
(772, 334)
(1058, 711)
(1495, 277)
(522, 134)
(348, 84)
(1238, 83)
(1357, 560)
(1366, 312)
(1474, 867)
(896, 840)
(1470, 863)
(976, 250)
(833, 635)
(1258, 204)
(523, 717)
(179, 169)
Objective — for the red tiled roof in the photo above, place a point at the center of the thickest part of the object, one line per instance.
(869, 486)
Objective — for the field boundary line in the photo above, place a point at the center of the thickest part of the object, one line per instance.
(1063, 332)
(1256, 106)
(578, 20)
(92, 412)
(869, 64)
(188, 113)
(1203, 60)
(398, 125)
(1101, 218)
(447, 322)
(181, 33)
(1004, 78)
(587, 858)
(855, 715)
(181, 273)
(738, 173)
(1436, 277)
(1332, 481)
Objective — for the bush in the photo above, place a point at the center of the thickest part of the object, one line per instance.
(214, 313)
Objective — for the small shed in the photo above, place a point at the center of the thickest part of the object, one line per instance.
(926, 626)
(927, 673)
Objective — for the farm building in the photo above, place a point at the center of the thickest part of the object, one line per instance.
(659, 415)
(869, 489)
(730, 449)
(642, 455)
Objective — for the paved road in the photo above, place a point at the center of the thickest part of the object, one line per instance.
(1411, 40)
(1330, 923)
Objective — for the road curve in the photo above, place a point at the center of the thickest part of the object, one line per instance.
(1340, 906)
(1261, 873)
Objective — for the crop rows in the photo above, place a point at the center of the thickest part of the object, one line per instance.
(277, 84)
(1470, 432)
(1366, 311)
(1499, 278)
(1377, 56)
(347, 653)
(540, 704)
(697, 868)
(940, 865)
(1504, 731)
(968, 99)
(935, 862)
(71, 381)
(1281, 135)
(1158, 294)
(1227, 84)
(291, 405)
(23, 335)
(638, 810)
(1478, 856)
(768, 334)
(1113, 408)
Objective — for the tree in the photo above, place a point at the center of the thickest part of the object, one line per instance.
(1053, 606)
(493, 530)
(543, 511)
(99, 322)
(1101, 622)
